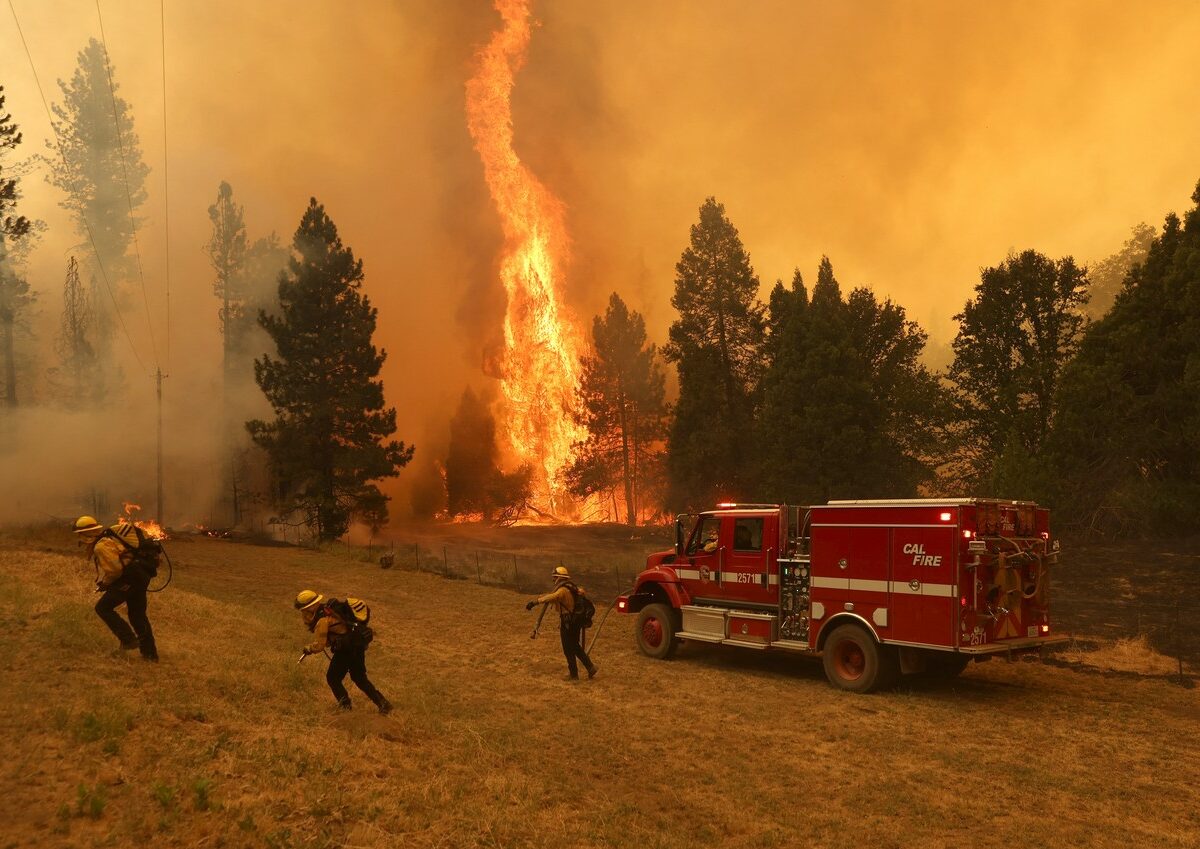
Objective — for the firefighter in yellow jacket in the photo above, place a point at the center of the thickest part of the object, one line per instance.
(121, 582)
(329, 631)
(569, 628)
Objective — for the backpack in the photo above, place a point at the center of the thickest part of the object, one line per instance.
(144, 557)
(584, 611)
(356, 616)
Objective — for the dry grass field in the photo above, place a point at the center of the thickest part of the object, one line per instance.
(228, 742)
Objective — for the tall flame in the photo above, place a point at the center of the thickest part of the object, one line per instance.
(540, 365)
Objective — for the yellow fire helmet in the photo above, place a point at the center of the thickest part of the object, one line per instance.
(87, 525)
(561, 574)
(307, 599)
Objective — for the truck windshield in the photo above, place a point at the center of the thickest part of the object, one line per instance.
(706, 536)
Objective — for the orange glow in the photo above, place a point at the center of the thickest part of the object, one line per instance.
(539, 370)
(152, 528)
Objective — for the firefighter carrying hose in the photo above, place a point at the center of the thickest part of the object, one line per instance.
(123, 578)
(331, 626)
(567, 598)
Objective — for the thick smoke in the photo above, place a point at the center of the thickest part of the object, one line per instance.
(913, 144)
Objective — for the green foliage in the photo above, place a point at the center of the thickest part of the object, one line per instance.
(101, 168)
(1125, 449)
(1014, 338)
(12, 226)
(1108, 276)
(202, 794)
(164, 794)
(623, 408)
(90, 801)
(716, 343)
(847, 408)
(328, 439)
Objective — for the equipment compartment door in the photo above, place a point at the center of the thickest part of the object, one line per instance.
(923, 584)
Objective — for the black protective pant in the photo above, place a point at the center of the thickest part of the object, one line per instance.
(572, 645)
(132, 594)
(353, 661)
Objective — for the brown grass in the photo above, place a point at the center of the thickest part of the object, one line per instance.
(228, 742)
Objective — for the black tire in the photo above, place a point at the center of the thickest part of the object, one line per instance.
(941, 664)
(854, 661)
(657, 625)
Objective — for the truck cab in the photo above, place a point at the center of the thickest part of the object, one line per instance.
(877, 588)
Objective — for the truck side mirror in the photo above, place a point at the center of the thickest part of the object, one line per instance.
(678, 536)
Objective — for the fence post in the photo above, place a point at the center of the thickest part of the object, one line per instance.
(478, 574)
(516, 573)
(445, 563)
(1178, 641)
(417, 555)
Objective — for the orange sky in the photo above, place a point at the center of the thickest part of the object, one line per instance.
(911, 142)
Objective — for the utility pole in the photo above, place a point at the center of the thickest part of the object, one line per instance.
(158, 377)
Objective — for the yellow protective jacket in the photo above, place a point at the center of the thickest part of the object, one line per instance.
(562, 599)
(327, 625)
(111, 557)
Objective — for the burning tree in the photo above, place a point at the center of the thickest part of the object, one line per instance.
(474, 482)
(327, 441)
(622, 407)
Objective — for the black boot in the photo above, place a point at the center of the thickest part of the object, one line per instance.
(592, 670)
(344, 704)
(385, 707)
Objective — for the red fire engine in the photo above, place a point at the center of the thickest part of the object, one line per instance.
(877, 588)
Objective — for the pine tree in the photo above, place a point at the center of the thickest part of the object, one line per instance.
(472, 458)
(848, 411)
(716, 343)
(100, 168)
(1014, 338)
(15, 297)
(1124, 451)
(623, 409)
(76, 377)
(327, 442)
(474, 481)
(226, 251)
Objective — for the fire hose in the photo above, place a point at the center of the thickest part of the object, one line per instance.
(600, 627)
(306, 653)
(595, 636)
(170, 572)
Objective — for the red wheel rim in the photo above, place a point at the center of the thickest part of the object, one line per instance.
(652, 633)
(849, 660)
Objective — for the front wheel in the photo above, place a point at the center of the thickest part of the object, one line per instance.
(656, 628)
(854, 661)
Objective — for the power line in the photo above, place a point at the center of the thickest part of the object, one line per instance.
(137, 251)
(82, 217)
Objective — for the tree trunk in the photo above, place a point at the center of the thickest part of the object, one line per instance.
(630, 516)
(10, 362)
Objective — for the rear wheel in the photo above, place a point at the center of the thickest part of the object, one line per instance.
(855, 662)
(656, 628)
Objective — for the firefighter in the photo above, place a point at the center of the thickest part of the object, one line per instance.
(710, 540)
(331, 631)
(569, 628)
(121, 581)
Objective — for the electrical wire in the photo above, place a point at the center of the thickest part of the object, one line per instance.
(83, 218)
(137, 251)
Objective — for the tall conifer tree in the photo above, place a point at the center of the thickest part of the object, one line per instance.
(716, 344)
(623, 409)
(328, 441)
